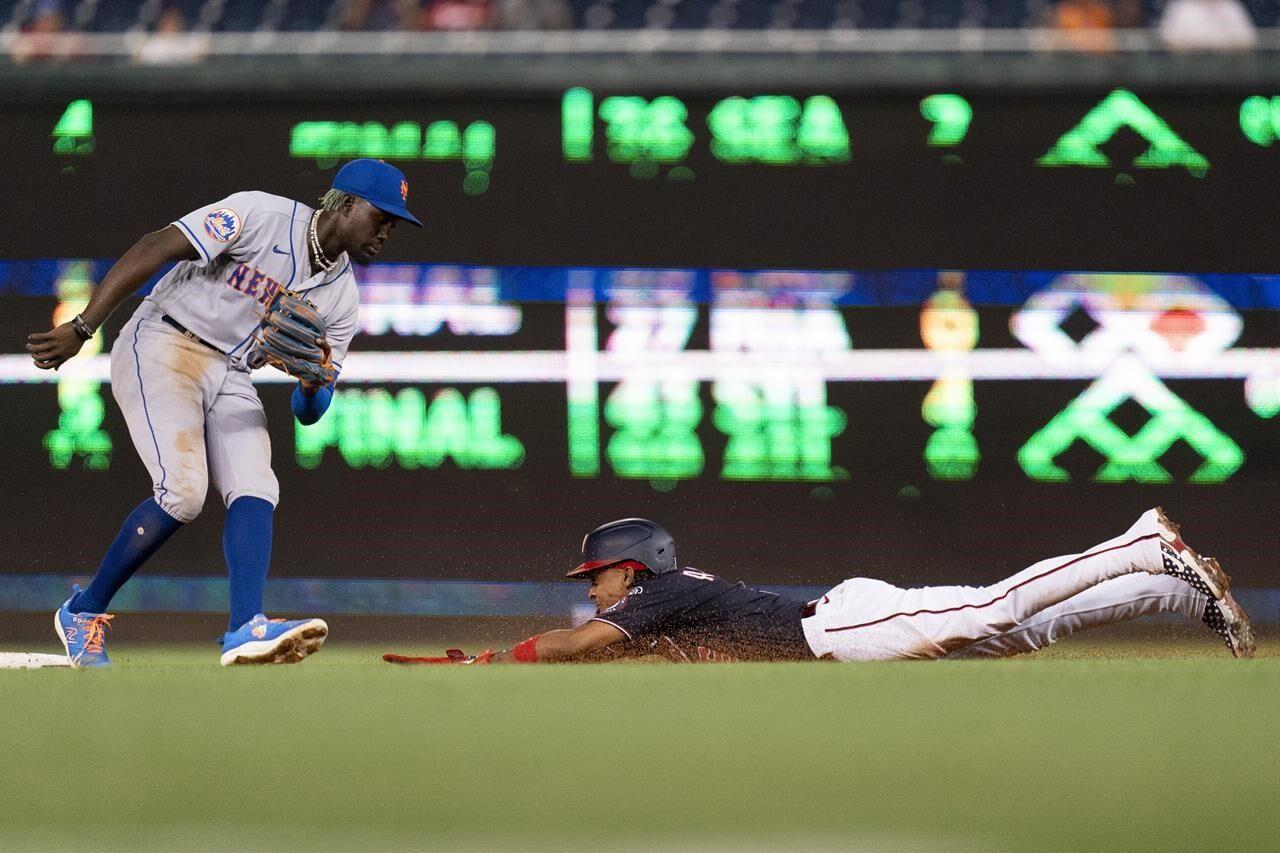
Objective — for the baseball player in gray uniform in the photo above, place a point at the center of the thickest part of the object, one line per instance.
(180, 371)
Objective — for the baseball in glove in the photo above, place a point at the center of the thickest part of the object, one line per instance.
(291, 338)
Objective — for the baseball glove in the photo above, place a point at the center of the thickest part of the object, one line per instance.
(452, 656)
(291, 338)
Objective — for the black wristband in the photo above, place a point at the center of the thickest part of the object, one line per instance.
(82, 329)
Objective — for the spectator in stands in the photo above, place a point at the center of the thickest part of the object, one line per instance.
(1127, 15)
(1207, 25)
(1084, 25)
(533, 15)
(380, 14)
(170, 44)
(457, 15)
(42, 36)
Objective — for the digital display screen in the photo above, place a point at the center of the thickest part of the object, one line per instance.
(815, 333)
(481, 405)
(1113, 179)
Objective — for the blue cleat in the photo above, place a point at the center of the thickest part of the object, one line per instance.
(83, 634)
(263, 640)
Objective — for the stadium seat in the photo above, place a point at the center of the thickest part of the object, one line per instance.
(113, 17)
(1265, 13)
(753, 14)
(943, 14)
(660, 15)
(1038, 13)
(579, 8)
(691, 14)
(307, 16)
(191, 12)
(875, 14)
(1005, 14)
(6, 13)
(313, 15)
(815, 15)
(241, 16)
(628, 15)
(1153, 9)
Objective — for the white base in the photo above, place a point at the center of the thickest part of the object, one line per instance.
(31, 660)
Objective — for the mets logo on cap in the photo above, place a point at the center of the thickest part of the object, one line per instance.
(222, 224)
(404, 190)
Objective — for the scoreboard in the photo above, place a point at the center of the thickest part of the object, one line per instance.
(927, 336)
(889, 404)
(1101, 180)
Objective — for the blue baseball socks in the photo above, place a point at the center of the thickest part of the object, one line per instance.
(246, 543)
(144, 531)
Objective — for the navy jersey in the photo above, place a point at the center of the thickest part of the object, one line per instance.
(706, 617)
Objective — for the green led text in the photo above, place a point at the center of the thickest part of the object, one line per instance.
(1135, 457)
(1081, 146)
(1260, 119)
(73, 134)
(79, 433)
(328, 142)
(373, 428)
(950, 115)
(777, 129)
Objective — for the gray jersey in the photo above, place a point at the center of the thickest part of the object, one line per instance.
(251, 244)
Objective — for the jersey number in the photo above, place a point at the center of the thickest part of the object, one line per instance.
(694, 573)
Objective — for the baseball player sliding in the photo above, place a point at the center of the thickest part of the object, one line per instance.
(647, 603)
(257, 279)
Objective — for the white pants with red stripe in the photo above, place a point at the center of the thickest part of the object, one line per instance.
(1107, 603)
(866, 619)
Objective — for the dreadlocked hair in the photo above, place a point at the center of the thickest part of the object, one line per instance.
(333, 200)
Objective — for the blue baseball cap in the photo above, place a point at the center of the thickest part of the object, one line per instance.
(381, 184)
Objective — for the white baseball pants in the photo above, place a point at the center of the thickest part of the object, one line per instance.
(1107, 603)
(191, 417)
(866, 619)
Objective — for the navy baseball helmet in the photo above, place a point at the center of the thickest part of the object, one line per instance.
(381, 184)
(635, 539)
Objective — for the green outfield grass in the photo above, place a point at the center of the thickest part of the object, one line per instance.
(1091, 746)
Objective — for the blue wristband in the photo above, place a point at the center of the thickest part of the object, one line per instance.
(308, 410)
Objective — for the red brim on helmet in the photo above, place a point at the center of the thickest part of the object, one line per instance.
(591, 566)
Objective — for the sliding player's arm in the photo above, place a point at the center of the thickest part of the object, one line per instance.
(562, 645)
(585, 642)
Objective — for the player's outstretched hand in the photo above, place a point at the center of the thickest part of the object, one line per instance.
(54, 347)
